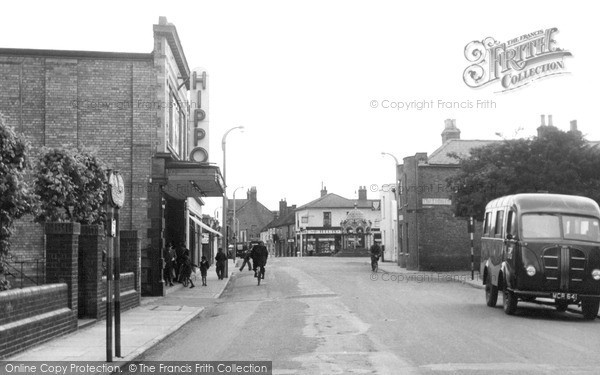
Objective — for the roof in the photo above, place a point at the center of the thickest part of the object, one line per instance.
(461, 147)
(333, 200)
(535, 202)
(288, 219)
(75, 54)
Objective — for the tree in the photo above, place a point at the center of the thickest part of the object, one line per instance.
(16, 198)
(72, 185)
(556, 161)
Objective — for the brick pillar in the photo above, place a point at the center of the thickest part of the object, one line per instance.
(62, 248)
(92, 243)
(131, 255)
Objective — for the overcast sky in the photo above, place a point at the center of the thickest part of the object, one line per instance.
(301, 77)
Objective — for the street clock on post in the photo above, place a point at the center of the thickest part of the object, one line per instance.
(116, 189)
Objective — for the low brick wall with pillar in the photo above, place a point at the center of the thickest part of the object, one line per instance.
(131, 251)
(62, 256)
(92, 243)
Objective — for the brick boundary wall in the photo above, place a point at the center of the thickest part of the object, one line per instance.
(33, 315)
(130, 297)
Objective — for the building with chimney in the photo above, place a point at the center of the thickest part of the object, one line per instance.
(280, 234)
(135, 110)
(431, 237)
(331, 224)
(251, 217)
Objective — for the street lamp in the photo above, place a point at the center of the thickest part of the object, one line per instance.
(224, 226)
(397, 184)
(235, 229)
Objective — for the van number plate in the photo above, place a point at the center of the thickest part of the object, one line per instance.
(567, 296)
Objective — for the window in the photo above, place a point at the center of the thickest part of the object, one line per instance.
(326, 219)
(487, 225)
(540, 226)
(581, 228)
(176, 125)
(511, 224)
(304, 219)
(499, 223)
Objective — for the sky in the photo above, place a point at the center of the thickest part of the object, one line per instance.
(313, 82)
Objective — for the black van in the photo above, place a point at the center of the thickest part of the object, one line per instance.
(542, 246)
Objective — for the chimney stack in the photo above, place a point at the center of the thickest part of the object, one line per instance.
(543, 120)
(252, 194)
(282, 207)
(323, 191)
(550, 120)
(362, 193)
(450, 131)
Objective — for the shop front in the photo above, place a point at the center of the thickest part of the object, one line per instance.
(321, 241)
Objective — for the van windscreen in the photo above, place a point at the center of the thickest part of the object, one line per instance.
(581, 228)
(541, 226)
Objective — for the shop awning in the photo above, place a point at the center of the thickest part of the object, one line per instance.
(188, 179)
(204, 226)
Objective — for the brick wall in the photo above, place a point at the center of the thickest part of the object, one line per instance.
(105, 103)
(130, 298)
(33, 315)
(443, 239)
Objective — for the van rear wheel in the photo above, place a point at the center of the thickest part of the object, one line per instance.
(491, 291)
(590, 307)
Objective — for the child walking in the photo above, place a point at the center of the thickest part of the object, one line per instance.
(204, 266)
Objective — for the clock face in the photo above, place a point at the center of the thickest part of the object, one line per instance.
(117, 189)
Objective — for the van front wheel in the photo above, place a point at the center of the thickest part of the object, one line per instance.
(589, 307)
(510, 301)
(491, 291)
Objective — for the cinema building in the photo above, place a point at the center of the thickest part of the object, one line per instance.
(145, 114)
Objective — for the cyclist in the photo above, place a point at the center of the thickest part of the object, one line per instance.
(375, 254)
(259, 259)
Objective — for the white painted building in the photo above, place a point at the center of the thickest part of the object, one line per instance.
(389, 223)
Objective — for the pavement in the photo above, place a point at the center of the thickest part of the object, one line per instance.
(141, 328)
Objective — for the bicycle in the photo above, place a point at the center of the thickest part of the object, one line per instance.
(261, 273)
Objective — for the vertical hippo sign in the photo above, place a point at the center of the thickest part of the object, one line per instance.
(199, 126)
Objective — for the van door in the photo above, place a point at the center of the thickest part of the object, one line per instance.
(510, 245)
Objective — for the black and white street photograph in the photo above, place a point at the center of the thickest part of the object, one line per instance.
(299, 187)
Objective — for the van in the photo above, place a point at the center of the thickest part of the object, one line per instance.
(542, 246)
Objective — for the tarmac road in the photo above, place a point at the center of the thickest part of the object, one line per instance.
(332, 316)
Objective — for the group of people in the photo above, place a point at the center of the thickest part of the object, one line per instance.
(258, 254)
(179, 266)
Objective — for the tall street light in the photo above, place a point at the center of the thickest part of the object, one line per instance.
(397, 184)
(224, 226)
(235, 229)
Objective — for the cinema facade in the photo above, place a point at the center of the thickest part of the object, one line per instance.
(145, 114)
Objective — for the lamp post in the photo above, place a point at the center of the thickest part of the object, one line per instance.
(235, 229)
(224, 226)
(397, 184)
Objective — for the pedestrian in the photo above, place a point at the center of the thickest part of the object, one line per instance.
(186, 269)
(247, 257)
(221, 258)
(259, 259)
(169, 256)
(375, 254)
(204, 266)
(179, 250)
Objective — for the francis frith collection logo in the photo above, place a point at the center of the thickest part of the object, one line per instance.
(514, 63)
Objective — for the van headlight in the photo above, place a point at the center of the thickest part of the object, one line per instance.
(531, 270)
(596, 274)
